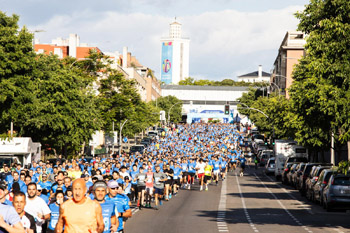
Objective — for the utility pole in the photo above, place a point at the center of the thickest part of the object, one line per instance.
(120, 136)
(332, 150)
(113, 138)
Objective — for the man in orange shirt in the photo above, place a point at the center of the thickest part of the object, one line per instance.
(80, 214)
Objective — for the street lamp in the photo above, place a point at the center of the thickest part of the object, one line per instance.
(120, 136)
(170, 110)
(77, 61)
(258, 110)
(279, 91)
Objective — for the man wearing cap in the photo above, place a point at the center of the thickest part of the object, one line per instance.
(109, 210)
(40, 194)
(88, 183)
(44, 183)
(9, 219)
(121, 201)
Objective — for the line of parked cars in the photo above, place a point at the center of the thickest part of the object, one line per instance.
(146, 141)
(318, 182)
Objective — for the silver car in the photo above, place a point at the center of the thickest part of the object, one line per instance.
(337, 193)
(270, 166)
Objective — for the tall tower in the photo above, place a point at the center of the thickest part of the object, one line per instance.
(175, 55)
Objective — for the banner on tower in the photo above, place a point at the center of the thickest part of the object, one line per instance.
(167, 62)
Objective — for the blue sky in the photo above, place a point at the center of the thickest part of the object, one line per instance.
(228, 37)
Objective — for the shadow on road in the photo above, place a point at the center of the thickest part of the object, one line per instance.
(274, 216)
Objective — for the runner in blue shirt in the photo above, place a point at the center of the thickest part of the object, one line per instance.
(121, 201)
(55, 211)
(109, 210)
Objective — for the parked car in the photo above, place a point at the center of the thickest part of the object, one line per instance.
(337, 193)
(285, 172)
(298, 171)
(152, 133)
(312, 179)
(261, 147)
(301, 185)
(321, 183)
(137, 148)
(264, 156)
(296, 160)
(293, 169)
(270, 166)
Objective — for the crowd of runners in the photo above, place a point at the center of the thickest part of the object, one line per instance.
(97, 195)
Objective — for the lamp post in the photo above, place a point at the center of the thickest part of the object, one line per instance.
(170, 110)
(279, 91)
(120, 136)
(258, 110)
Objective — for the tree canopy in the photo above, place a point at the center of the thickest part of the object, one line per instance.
(62, 102)
(226, 82)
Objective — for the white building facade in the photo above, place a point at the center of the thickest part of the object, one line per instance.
(175, 56)
(256, 76)
(203, 103)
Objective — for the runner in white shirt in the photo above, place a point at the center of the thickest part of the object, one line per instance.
(37, 207)
(200, 169)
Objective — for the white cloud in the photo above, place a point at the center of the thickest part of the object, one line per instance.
(223, 37)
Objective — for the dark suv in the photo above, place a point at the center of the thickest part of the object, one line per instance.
(305, 174)
(312, 179)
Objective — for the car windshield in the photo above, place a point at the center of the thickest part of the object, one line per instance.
(342, 181)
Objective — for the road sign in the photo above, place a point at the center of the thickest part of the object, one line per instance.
(125, 140)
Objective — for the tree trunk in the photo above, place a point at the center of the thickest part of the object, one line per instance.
(348, 150)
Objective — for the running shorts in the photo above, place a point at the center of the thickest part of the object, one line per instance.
(200, 175)
(158, 191)
(206, 178)
(169, 182)
(140, 188)
(191, 174)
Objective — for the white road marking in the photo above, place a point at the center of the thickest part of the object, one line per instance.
(281, 204)
(245, 207)
(221, 223)
(291, 196)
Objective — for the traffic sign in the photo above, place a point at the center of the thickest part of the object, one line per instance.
(125, 140)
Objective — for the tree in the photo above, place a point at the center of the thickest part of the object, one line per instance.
(165, 103)
(187, 81)
(16, 65)
(119, 100)
(320, 91)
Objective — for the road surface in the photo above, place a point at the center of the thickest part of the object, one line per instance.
(252, 203)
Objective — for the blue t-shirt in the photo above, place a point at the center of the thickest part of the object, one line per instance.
(55, 213)
(216, 165)
(122, 203)
(108, 210)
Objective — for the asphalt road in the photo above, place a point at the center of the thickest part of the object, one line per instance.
(252, 203)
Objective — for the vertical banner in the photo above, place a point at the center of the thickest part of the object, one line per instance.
(167, 57)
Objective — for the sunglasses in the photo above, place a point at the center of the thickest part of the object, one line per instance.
(114, 188)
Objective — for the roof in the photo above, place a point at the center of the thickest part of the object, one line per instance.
(255, 74)
(204, 88)
(175, 23)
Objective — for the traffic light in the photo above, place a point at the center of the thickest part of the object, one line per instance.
(227, 109)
